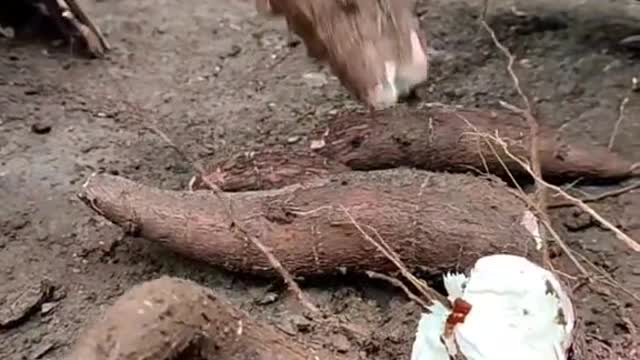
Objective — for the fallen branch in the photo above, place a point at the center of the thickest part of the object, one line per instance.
(428, 139)
(442, 224)
(170, 318)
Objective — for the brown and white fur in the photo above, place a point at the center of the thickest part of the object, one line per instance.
(375, 47)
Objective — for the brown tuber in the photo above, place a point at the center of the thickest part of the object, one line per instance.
(435, 222)
(170, 318)
(428, 139)
(443, 140)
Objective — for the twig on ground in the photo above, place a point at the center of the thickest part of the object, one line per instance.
(619, 234)
(573, 255)
(536, 206)
(610, 280)
(485, 10)
(594, 198)
(429, 293)
(275, 263)
(527, 111)
(399, 284)
(82, 16)
(534, 128)
(621, 109)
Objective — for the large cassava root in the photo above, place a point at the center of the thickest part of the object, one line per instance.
(428, 139)
(170, 318)
(435, 222)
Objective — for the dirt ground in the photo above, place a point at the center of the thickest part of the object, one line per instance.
(221, 80)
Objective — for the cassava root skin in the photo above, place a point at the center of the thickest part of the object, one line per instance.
(428, 139)
(170, 318)
(272, 168)
(435, 222)
(442, 140)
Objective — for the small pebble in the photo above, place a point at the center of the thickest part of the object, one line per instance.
(315, 79)
(301, 323)
(40, 129)
(317, 144)
(7, 32)
(43, 350)
(48, 307)
(268, 298)
(340, 343)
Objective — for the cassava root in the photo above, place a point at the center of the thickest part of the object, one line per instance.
(428, 139)
(170, 318)
(434, 222)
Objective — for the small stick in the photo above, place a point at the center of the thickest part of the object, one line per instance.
(399, 284)
(77, 11)
(594, 198)
(614, 133)
(275, 263)
(527, 112)
(545, 220)
(384, 248)
(534, 128)
(619, 234)
(610, 280)
(547, 224)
